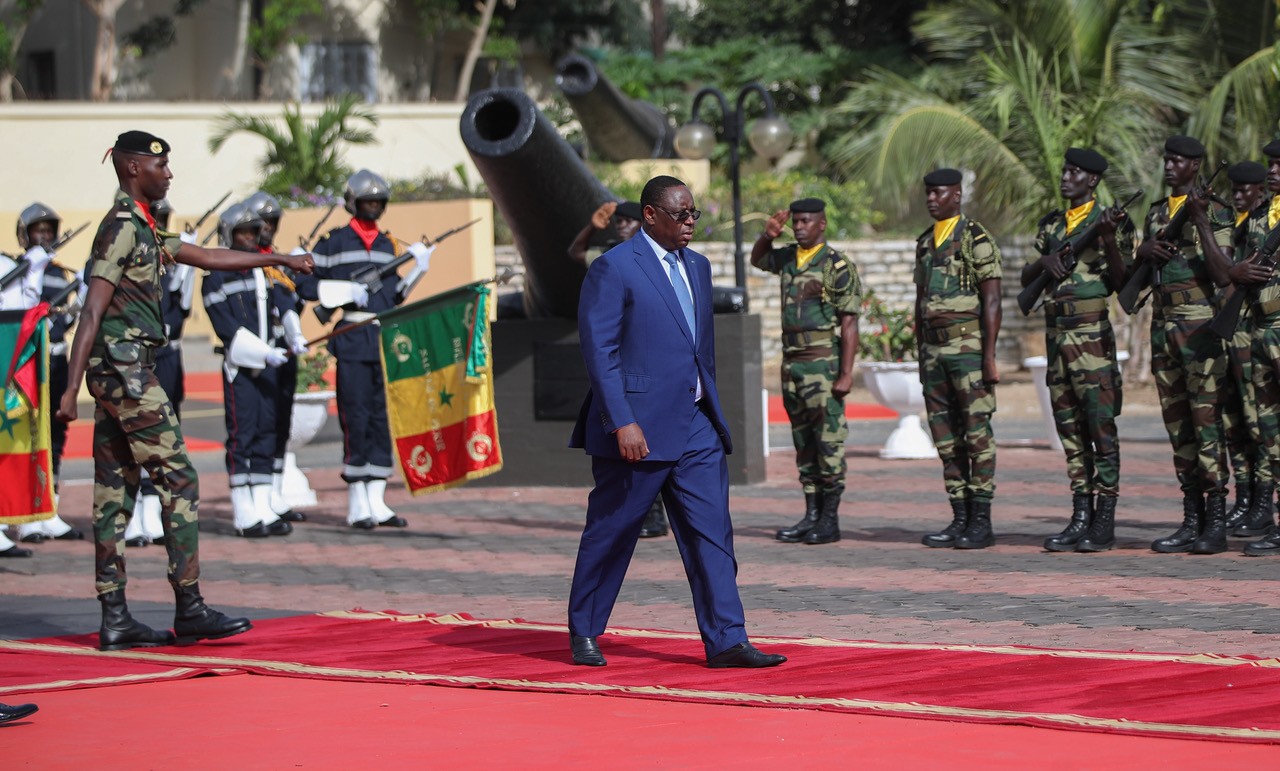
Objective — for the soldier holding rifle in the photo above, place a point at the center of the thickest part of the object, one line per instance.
(1083, 377)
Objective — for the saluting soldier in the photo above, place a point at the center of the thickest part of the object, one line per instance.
(340, 255)
(1083, 375)
(821, 300)
(120, 329)
(957, 275)
(1188, 361)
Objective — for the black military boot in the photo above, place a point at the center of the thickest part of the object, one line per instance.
(978, 535)
(1102, 529)
(1246, 494)
(1189, 531)
(1213, 534)
(1269, 545)
(946, 538)
(655, 521)
(1081, 516)
(194, 621)
(120, 632)
(797, 532)
(1261, 516)
(827, 528)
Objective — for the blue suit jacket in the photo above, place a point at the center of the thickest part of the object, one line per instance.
(640, 355)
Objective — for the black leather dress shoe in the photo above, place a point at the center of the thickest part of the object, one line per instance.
(136, 541)
(33, 538)
(16, 712)
(293, 516)
(585, 651)
(745, 655)
(394, 522)
(15, 551)
(259, 530)
(364, 524)
(279, 527)
(71, 535)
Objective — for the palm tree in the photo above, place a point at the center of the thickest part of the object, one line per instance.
(303, 154)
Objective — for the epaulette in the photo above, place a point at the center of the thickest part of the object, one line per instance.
(124, 214)
(1050, 217)
(977, 231)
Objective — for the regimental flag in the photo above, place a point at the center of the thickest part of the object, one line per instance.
(439, 381)
(26, 457)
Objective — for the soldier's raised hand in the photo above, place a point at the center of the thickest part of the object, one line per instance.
(600, 217)
(777, 223)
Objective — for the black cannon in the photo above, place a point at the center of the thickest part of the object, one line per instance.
(544, 191)
(618, 127)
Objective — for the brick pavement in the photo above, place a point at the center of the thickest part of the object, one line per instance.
(508, 552)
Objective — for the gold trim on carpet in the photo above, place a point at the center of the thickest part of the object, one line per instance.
(142, 677)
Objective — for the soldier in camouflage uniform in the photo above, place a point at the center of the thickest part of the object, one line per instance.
(1255, 481)
(1188, 361)
(134, 423)
(1083, 376)
(958, 315)
(821, 298)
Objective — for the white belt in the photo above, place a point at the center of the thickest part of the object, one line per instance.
(175, 345)
(57, 349)
(355, 317)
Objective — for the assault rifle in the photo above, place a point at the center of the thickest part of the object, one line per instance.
(1147, 272)
(305, 243)
(371, 275)
(193, 228)
(1227, 318)
(1069, 254)
(21, 266)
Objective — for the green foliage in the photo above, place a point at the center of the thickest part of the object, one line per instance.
(158, 32)
(13, 22)
(885, 334)
(278, 26)
(312, 368)
(557, 27)
(302, 153)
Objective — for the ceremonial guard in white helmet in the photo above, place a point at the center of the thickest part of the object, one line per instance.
(362, 408)
(38, 227)
(177, 291)
(242, 308)
(289, 331)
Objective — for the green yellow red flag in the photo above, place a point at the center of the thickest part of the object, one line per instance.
(26, 458)
(439, 383)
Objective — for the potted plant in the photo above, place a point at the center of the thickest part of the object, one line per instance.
(886, 356)
(310, 411)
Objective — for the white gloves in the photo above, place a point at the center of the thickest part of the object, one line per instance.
(335, 294)
(422, 253)
(192, 238)
(276, 356)
(293, 332)
(299, 345)
(38, 259)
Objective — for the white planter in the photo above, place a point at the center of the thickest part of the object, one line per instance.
(896, 385)
(1039, 366)
(310, 411)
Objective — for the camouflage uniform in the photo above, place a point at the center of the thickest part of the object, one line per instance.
(134, 424)
(1083, 377)
(958, 402)
(812, 298)
(1264, 322)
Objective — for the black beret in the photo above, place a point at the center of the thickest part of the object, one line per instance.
(809, 205)
(1089, 160)
(1273, 148)
(629, 209)
(940, 177)
(1184, 146)
(140, 143)
(1248, 173)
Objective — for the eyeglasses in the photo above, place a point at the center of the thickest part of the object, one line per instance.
(684, 215)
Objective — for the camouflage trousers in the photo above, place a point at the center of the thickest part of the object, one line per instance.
(818, 425)
(1085, 392)
(1266, 387)
(1240, 414)
(134, 428)
(959, 406)
(1189, 363)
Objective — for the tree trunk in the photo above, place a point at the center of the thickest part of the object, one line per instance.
(16, 28)
(473, 51)
(6, 86)
(658, 28)
(104, 50)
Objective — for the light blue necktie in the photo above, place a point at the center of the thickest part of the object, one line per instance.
(682, 292)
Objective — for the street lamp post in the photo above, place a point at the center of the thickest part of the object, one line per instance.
(769, 136)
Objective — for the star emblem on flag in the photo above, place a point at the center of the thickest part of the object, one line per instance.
(7, 423)
(446, 398)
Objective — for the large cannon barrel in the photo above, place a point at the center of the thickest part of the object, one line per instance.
(544, 191)
(618, 127)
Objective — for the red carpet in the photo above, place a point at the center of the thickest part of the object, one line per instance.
(852, 410)
(1221, 698)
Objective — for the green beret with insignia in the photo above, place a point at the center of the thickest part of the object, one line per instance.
(140, 143)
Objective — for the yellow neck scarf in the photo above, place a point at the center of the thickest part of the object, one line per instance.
(1241, 217)
(803, 255)
(942, 230)
(1076, 216)
(1175, 203)
(1273, 214)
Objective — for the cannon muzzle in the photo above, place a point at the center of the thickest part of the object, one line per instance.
(618, 127)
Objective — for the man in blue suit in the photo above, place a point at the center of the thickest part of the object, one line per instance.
(652, 424)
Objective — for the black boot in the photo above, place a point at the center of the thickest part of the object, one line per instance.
(1246, 495)
(1102, 530)
(946, 538)
(827, 528)
(797, 532)
(120, 632)
(1081, 516)
(194, 621)
(978, 535)
(1269, 545)
(1184, 536)
(1261, 516)
(655, 522)
(1213, 536)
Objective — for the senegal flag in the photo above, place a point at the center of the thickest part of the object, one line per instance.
(439, 383)
(26, 459)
